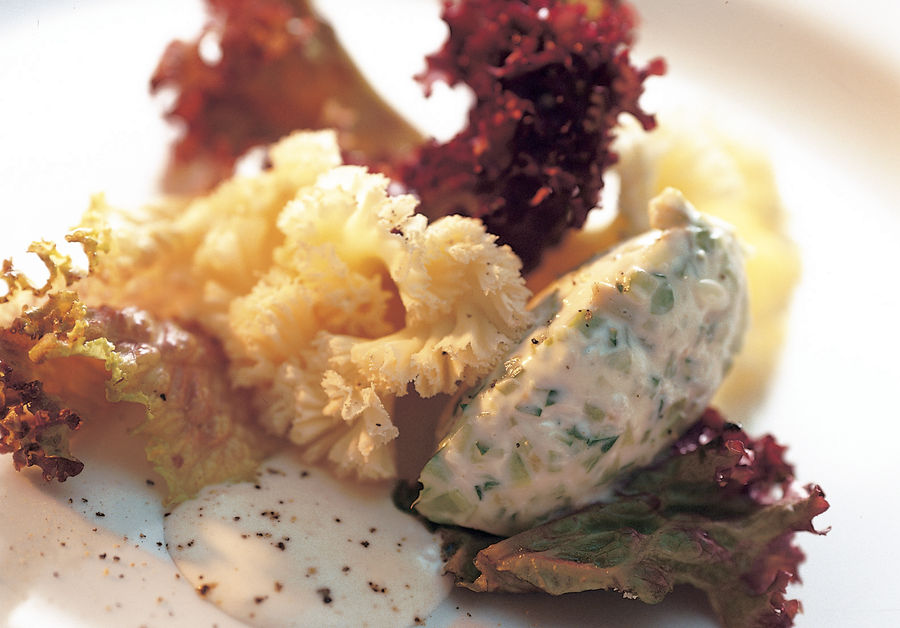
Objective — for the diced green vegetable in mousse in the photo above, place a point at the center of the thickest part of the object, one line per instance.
(628, 354)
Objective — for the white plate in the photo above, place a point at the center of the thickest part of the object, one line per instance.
(820, 85)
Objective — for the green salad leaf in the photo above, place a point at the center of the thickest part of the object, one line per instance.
(63, 361)
(718, 512)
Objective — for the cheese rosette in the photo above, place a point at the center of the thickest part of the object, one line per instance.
(330, 296)
(627, 351)
(397, 303)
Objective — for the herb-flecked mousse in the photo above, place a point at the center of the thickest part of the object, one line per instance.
(627, 352)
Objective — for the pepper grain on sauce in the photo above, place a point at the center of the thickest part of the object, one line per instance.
(299, 544)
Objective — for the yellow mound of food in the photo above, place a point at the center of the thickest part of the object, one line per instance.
(723, 176)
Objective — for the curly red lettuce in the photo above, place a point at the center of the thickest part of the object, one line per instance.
(34, 429)
(281, 68)
(718, 512)
(550, 80)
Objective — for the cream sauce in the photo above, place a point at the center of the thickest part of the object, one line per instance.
(299, 548)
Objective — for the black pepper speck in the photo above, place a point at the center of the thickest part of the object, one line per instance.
(203, 589)
(325, 592)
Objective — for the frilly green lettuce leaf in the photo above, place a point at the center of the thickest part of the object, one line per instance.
(59, 355)
(717, 513)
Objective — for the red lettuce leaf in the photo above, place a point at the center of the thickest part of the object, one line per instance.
(281, 68)
(717, 512)
(550, 81)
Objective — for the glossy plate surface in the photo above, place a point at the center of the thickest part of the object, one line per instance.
(818, 86)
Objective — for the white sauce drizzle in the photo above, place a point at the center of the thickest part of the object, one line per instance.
(299, 548)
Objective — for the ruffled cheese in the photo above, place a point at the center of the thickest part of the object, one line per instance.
(330, 296)
(388, 301)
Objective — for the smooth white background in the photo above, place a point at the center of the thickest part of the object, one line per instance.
(818, 83)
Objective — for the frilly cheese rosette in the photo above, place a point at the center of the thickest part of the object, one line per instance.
(306, 295)
(394, 302)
